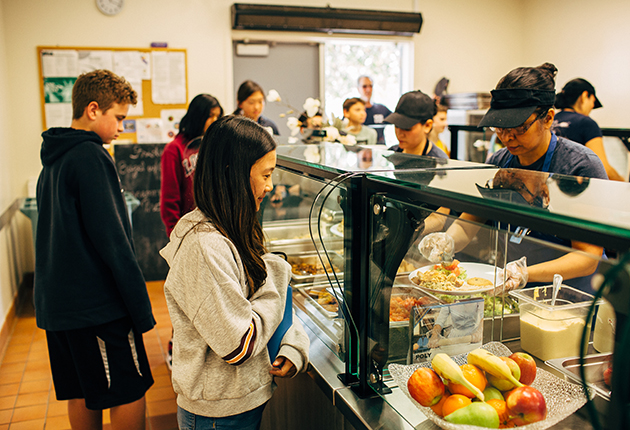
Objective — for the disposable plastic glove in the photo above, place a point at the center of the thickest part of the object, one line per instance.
(437, 248)
(516, 276)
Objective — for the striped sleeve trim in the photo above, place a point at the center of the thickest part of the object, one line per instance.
(245, 349)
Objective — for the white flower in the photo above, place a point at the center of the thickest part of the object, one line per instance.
(311, 154)
(311, 106)
(292, 140)
(348, 139)
(294, 125)
(273, 96)
(332, 134)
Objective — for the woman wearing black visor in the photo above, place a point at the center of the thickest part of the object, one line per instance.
(521, 113)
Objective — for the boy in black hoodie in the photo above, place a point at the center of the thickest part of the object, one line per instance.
(90, 295)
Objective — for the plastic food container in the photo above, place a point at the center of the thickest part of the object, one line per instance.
(547, 331)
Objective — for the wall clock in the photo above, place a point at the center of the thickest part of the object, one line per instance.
(110, 7)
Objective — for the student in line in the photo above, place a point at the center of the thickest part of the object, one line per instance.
(250, 100)
(225, 294)
(90, 295)
(354, 112)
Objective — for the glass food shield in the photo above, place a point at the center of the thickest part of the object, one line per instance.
(308, 227)
(493, 245)
(418, 308)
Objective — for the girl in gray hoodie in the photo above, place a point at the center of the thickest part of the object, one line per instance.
(225, 295)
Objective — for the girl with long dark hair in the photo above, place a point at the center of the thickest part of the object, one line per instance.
(224, 293)
(250, 99)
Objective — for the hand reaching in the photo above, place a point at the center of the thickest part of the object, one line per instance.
(516, 276)
(437, 248)
(283, 368)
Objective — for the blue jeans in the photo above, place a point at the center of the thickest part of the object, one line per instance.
(249, 420)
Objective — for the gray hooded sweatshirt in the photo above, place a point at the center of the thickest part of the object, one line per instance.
(220, 360)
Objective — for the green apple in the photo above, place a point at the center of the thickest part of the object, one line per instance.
(503, 384)
(492, 393)
(476, 414)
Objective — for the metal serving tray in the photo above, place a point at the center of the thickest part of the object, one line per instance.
(595, 365)
(311, 257)
(307, 291)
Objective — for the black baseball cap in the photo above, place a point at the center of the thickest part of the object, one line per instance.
(510, 107)
(413, 107)
(575, 87)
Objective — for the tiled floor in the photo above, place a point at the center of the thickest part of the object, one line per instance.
(27, 395)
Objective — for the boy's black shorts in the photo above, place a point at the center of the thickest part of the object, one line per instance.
(106, 364)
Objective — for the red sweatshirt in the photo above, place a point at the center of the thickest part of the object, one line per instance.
(176, 194)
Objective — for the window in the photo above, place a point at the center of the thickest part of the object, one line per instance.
(387, 63)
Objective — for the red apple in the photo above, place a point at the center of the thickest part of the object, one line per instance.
(503, 384)
(526, 405)
(527, 365)
(425, 386)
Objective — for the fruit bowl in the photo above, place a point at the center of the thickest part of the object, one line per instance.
(563, 398)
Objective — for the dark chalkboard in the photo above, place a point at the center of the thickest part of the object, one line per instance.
(138, 166)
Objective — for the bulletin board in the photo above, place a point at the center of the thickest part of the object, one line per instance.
(159, 76)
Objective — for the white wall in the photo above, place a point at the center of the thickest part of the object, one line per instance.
(588, 39)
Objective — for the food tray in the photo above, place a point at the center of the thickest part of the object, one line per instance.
(306, 291)
(563, 398)
(313, 259)
(595, 364)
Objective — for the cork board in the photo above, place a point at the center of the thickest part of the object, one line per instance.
(60, 66)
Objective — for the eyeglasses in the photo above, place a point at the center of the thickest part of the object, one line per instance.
(521, 129)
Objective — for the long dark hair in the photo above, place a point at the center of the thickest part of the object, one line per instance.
(571, 92)
(223, 192)
(246, 89)
(193, 122)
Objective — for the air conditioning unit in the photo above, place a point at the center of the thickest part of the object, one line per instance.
(324, 19)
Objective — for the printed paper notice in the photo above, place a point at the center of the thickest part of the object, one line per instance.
(168, 72)
(170, 123)
(149, 130)
(58, 114)
(132, 65)
(60, 63)
(95, 60)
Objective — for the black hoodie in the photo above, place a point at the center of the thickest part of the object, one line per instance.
(86, 271)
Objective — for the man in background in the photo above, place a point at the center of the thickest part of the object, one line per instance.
(376, 112)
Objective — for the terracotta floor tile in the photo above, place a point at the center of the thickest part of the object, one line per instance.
(58, 423)
(161, 381)
(157, 394)
(11, 378)
(31, 399)
(5, 416)
(11, 368)
(9, 389)
(33, 365)
(4, 426)
(35, 386)
(57, 408)
(162, 408)
(35, 375)
(24, 347)
(7, 402)
(28, 413)
(37, 424)
(21, 339)
(15, 357)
